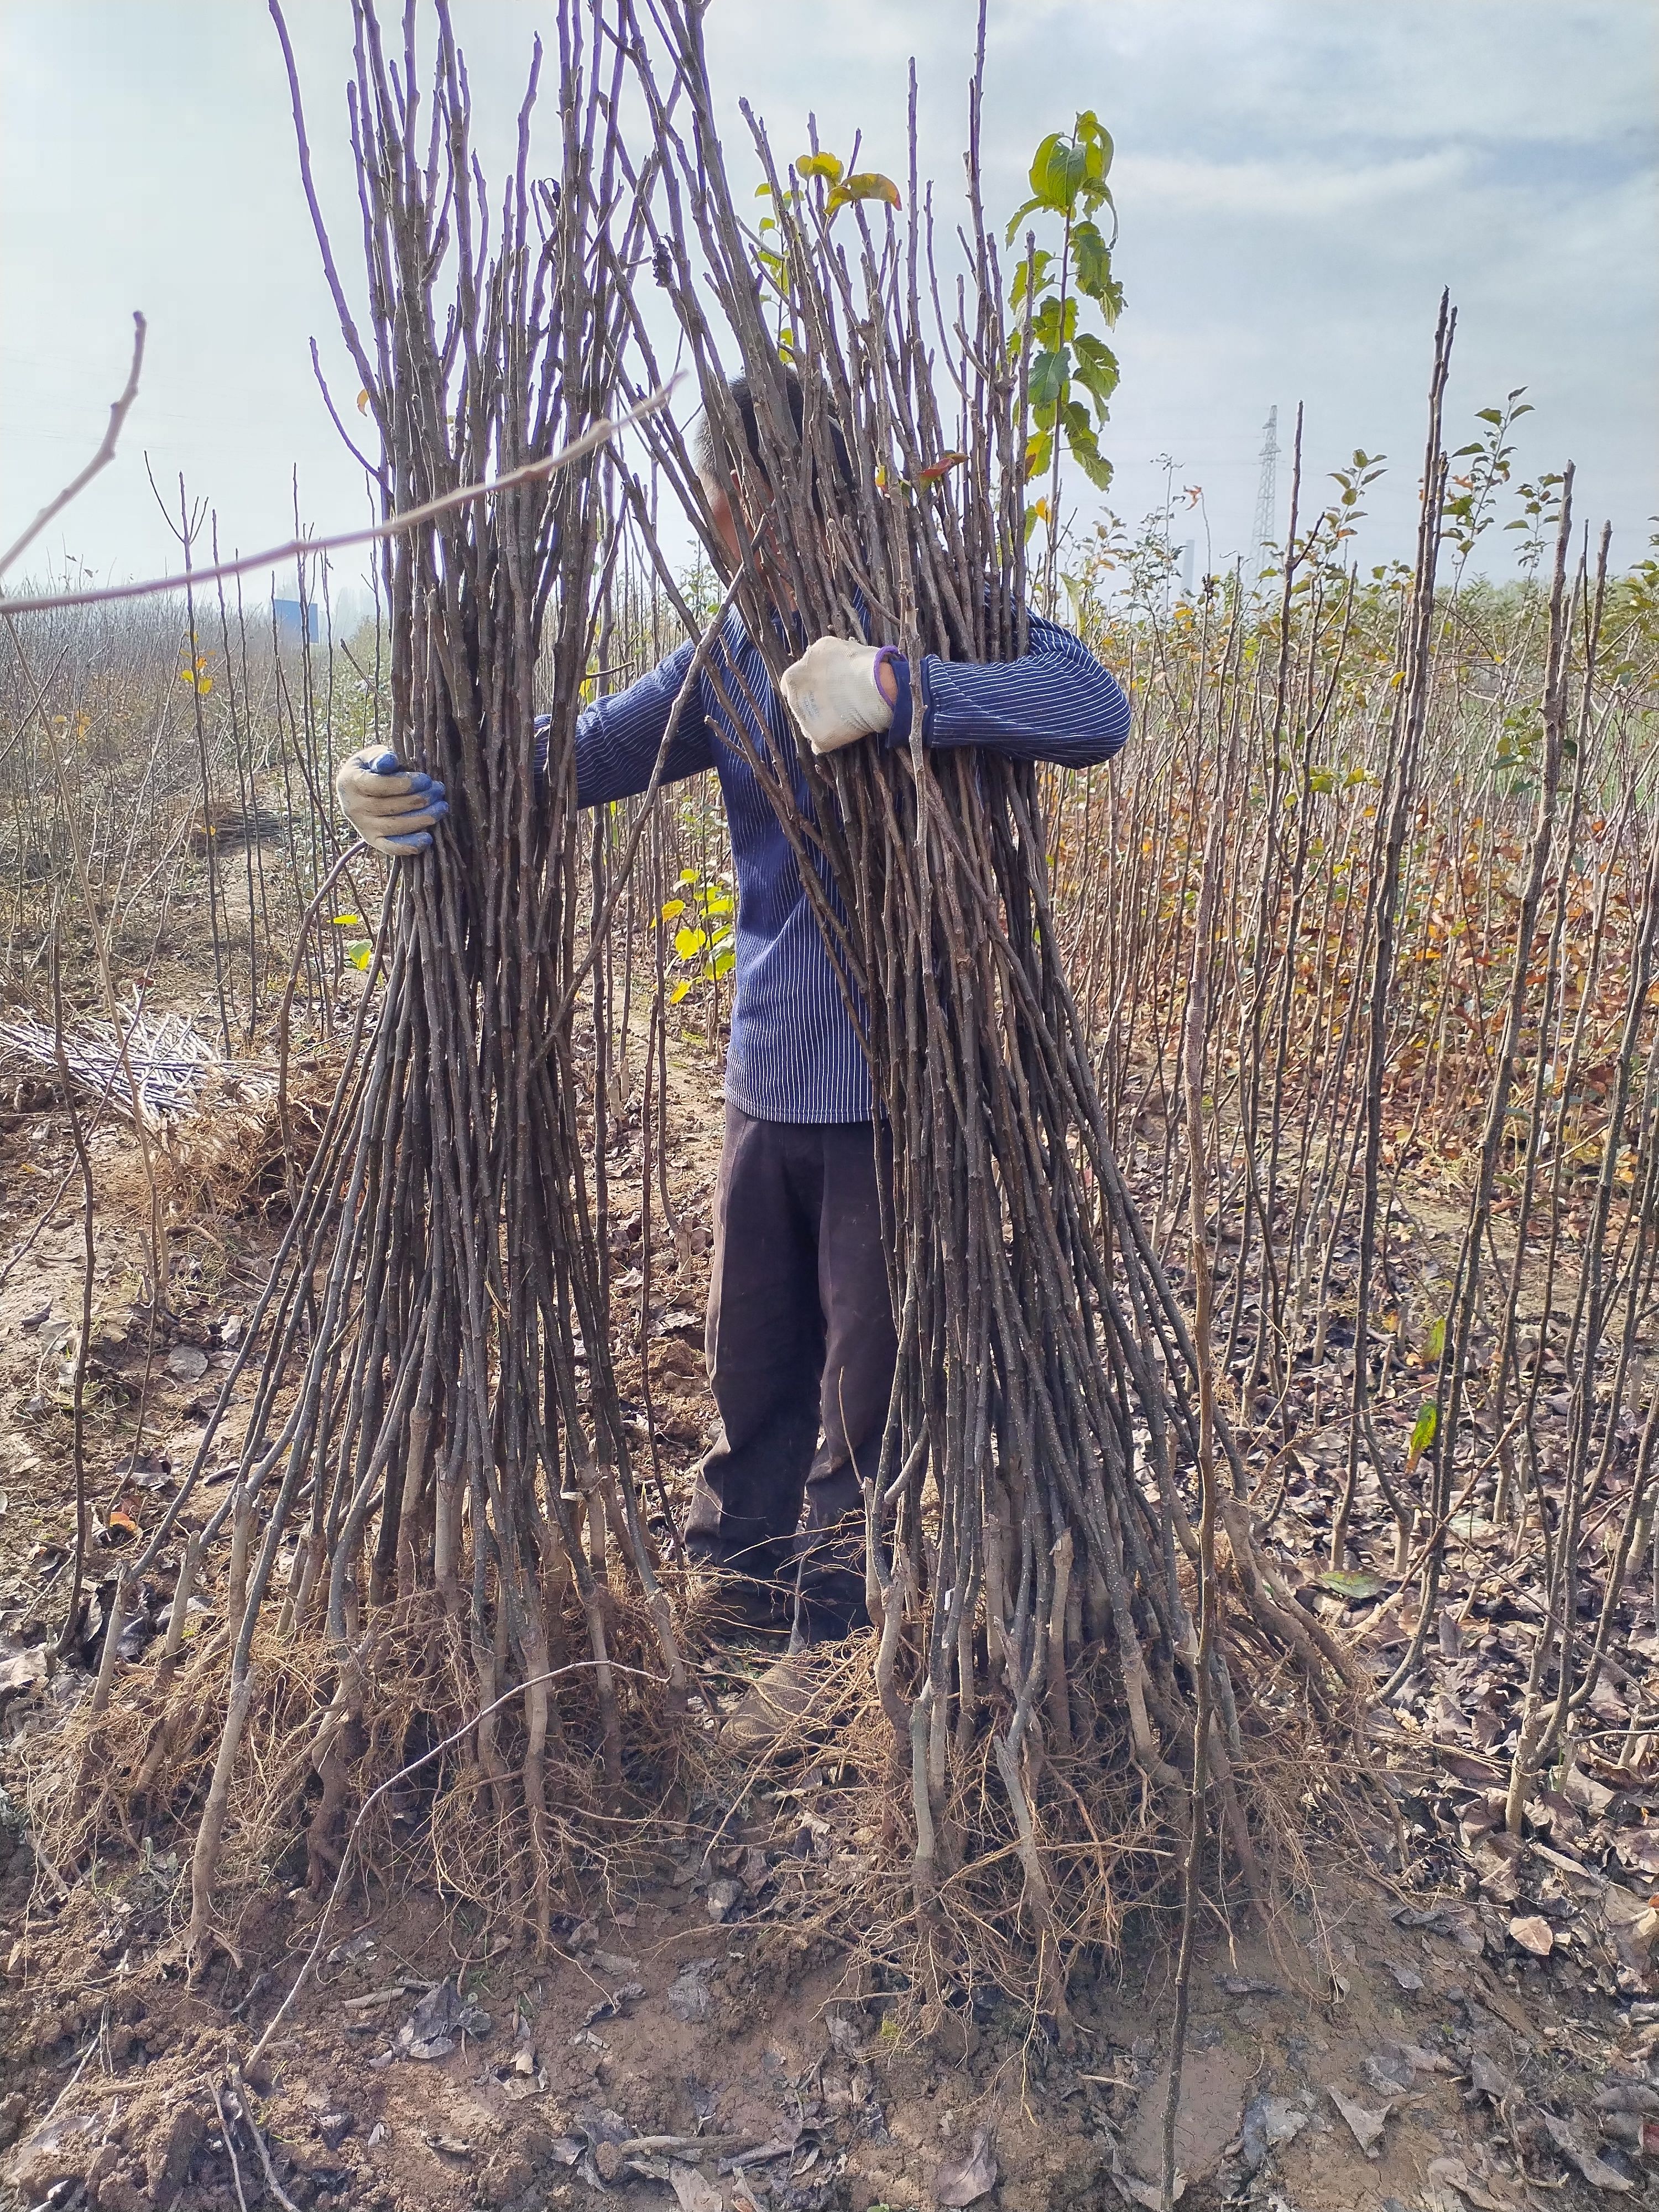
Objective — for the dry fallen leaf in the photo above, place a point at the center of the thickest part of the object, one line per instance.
(1146, 2194)
(1457, 1921)
(1476, 1773)
(1494, 1858)
(1595, 2171)
(1427, 2062)
(1584, 1790)
(1619, 2096)
(1388, 2069)
(1392, 2068)
(1269, 2123)
(1452, 2174)
(965, 2181)
(1451, 2171)
(22, 1670)
(1364, 2125)
(1489, 2079)
(1533, 1933)
(1638, 1848)
(691, 2192)
(1622, 1906)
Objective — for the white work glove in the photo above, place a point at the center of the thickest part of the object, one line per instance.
(833, 694)
(391, 807)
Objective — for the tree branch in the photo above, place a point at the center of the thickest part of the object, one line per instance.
(100, 459)
(298, 548)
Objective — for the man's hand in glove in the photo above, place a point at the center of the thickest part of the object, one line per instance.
(391, 807)
(838, 691)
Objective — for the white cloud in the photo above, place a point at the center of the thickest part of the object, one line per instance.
(1298, 189)
(1297, 179)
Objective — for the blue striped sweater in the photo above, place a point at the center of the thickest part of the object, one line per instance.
(794, 1053)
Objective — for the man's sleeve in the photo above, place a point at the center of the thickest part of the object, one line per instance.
(1057, 704)
(617, 739)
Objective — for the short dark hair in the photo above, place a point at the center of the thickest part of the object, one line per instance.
(709, 440)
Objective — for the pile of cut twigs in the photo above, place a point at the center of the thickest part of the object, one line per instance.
(153, 1068)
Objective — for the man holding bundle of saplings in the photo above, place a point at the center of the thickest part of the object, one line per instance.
(800, 1338)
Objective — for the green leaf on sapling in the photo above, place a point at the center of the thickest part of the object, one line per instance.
(1423, 1432)
(1050, 373)
(1097, 370)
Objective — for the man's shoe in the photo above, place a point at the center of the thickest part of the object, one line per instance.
(720, 1601)
(774, 1701)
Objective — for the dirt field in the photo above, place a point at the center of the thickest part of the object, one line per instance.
(705, 2033)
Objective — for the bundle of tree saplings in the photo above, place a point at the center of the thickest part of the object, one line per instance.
(1055, 1477)
(432, 1504)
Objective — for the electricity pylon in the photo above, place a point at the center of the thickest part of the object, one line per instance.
(1267, 490)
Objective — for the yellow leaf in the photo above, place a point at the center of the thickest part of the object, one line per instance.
(866, 185)
(674, 907)
(678, 991)
(362, 403)
(818, 165)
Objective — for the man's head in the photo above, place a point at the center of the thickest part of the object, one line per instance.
(717, 461)
(715, 469)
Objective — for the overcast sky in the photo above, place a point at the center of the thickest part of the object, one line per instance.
(1295, 181)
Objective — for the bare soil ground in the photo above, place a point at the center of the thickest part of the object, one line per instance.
(1389, 2040)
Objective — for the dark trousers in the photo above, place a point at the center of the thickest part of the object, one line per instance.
(801, 1349)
